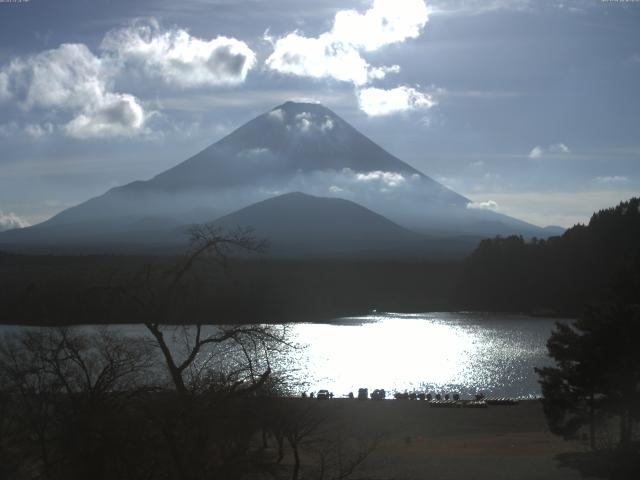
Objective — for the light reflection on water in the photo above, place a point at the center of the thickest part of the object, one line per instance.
(431, 352)
(434, 352)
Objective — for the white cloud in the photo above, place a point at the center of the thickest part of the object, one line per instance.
(559, 148)
(118, 115)
(378, 101)
(327, 125)
(554, 149)
(319, 58)
(254, 152)
(277, 114)
(304, 121)
(536, 152)
(612, 179)
(386, 22)
(67, 77)
(177, 58)
(336, 54)
(488, 205)
(9, 221)
(73, 80)
(389, 179)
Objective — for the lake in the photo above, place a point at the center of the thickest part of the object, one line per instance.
(432, 352)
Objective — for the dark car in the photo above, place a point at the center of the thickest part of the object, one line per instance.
(323, 395)
(378, 394)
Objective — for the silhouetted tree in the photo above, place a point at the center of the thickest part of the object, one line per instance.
(597, 372)
(213, 243)
(66, 397)
(215, 371)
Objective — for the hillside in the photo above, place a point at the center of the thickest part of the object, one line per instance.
(296, 224)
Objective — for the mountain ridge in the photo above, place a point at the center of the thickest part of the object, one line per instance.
(301, 147)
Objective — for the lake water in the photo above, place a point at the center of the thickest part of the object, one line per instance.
(432, 352)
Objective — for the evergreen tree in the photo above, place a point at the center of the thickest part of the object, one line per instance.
(597, 372)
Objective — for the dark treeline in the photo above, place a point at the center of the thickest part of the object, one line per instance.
(47, 290)
(561, 275)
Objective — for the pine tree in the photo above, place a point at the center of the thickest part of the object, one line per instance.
(597, 372)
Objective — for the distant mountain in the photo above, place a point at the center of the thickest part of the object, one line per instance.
(553, 230)
(296, 224)
(295, 147)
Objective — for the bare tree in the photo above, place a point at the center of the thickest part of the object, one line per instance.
(210, 367)
(210, 242)
(65, 394)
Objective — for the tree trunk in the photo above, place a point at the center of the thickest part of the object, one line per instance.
(280, 441)
(296, 461)
(625, 438)
(178, 463)
(592, 423)
(174, 371)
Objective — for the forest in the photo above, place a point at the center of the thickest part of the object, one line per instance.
(594, 263)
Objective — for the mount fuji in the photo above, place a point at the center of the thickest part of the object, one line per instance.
(296, 147)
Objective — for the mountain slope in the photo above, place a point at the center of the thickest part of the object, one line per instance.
(294, 137)
(297, 224)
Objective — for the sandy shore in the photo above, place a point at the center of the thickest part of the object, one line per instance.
(417, 441)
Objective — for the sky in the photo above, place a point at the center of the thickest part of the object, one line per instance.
(530, 108)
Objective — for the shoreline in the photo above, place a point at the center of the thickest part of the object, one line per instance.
(346, 320)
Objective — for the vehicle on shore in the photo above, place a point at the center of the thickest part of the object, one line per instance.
(378, 394)
(323, 395)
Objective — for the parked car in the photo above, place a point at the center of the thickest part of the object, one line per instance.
(378, 394)
(323, 395)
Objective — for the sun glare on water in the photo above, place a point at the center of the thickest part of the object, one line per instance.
(432, 352)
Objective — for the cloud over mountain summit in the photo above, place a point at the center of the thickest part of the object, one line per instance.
(338, 54)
